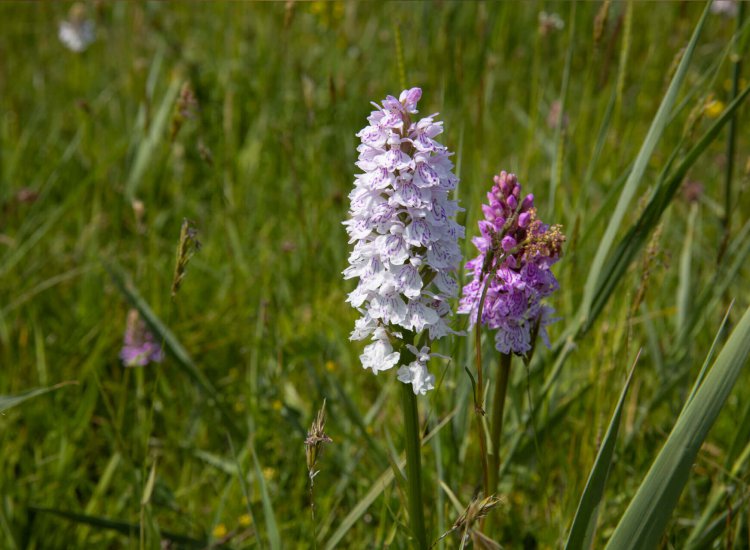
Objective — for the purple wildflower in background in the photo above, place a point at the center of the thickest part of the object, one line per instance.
(139, 345)
(405, 237)
(518, 250)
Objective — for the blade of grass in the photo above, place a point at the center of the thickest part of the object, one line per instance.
(353, 414)
(713, 530)
(710, 356)
(647, 515)
(732, 133)
(274, 538)
(245, 489)
(684, 285)
(584, 523)
(637, 235)
(10, 401)
(713, 293)
(130, 529)
(593, 283)
(557, 165)
(148, 145)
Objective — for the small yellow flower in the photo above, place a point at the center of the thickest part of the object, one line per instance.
(245, 520)
(330, 366)
(220, 531)
(714, 108)
(338, 10)
(370, 430)
(269, 473)
(277, 405)
(239, 406)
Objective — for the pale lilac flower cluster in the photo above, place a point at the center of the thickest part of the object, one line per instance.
(139, 345)
(518, 250)
(405, 237)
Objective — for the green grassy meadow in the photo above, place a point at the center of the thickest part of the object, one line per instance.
(98, 169)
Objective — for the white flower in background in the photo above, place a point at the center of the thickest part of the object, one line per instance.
(549, 23)
(727, 8)
(77, 33)
(405, 237)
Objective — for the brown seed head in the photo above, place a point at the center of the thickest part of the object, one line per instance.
(316, 437)
(188, 245)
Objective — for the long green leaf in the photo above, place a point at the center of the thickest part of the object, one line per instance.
(684, 285)
(636, 174)
(645, 519)
(245, 490)
(584, 523)
(714, 529)
(130, 529)
(639, 232)
(274, 538)
(715, 291)
(10, 401)
(148, 145)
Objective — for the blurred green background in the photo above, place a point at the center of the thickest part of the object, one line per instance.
(98, 166)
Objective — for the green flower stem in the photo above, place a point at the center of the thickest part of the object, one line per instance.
(413, 466)
(498, 406)
(479, 392)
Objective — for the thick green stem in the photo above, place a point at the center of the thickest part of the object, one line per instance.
(479, 396)
(413, 466)
(498, 406)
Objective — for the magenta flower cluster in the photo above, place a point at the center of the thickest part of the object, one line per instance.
(139, 345)
(517, 250)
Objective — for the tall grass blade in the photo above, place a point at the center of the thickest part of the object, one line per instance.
(10, 401)
(130, 529)
(732, 133)
(274, 539)
(237, 470)
(710, 356)
(739, 251)
(646, 517)
(637, 235)
(557, 166)
(584, 523)
(148, 145)
(684, 285)
(593, 282)
(713, 530)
